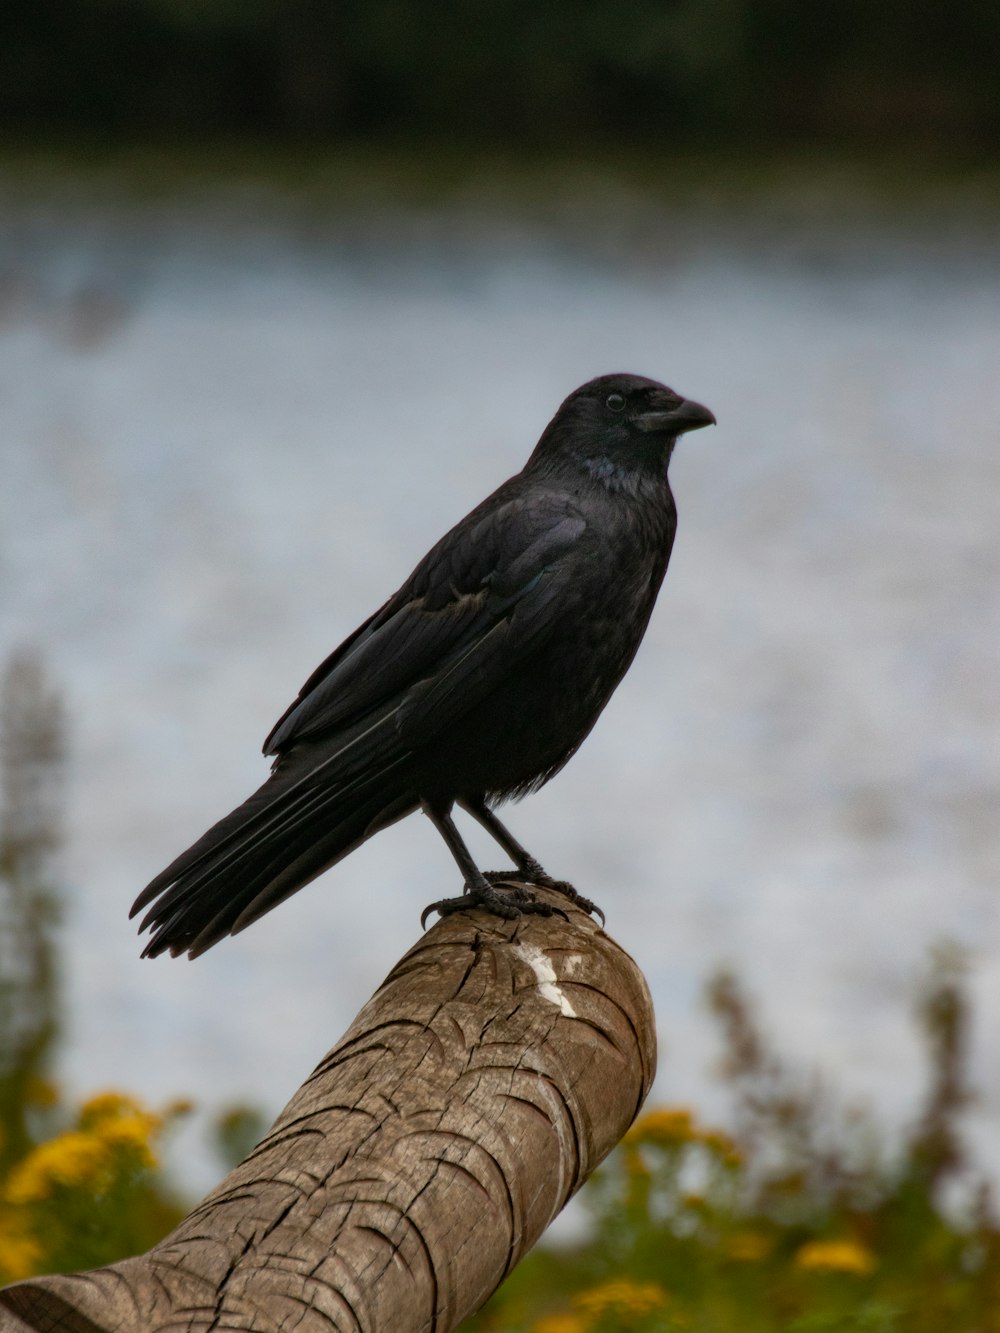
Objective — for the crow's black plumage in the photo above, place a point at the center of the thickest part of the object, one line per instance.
(475, 682)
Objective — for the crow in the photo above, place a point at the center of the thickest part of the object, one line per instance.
(473, 684)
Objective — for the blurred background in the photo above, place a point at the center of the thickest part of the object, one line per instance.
(286, 288)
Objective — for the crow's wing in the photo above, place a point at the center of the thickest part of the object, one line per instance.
(478, 601)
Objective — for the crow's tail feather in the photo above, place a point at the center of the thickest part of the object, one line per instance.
(289, 831)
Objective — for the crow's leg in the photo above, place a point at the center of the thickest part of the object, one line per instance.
(527, 867)
(479, 891)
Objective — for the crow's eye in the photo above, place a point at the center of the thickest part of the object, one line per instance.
(615, 401)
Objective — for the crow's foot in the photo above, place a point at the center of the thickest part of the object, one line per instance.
(534, 874)
(510, 902)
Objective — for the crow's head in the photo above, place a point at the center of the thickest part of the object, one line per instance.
(619, 425)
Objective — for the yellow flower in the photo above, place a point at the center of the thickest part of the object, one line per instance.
(835, 1256)
(121, 1123)
(105, 1106)
(560, 1323)
(748, 1247)
(131, 1134)
(626, 1300)
(20, 1254)
(73, 1159)
(668, 1125)
(113, 1132)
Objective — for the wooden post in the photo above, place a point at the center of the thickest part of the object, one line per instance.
(471, 1097)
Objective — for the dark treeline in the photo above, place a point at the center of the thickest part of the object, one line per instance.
(517, 71)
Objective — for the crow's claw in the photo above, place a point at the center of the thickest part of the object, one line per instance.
(534, 874)
(509, 904)
(577, 899)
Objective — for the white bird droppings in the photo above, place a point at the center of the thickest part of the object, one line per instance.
(548, 986)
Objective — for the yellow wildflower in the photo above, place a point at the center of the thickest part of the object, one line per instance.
(105, 1106)
(748, 1247)
(668, 1125)
(559, 1323)
(131, 1134)
(121, 1123)
(73, 1159)
(20, 1255)
(114, 1133)
(835, 1256)
(622, 1298)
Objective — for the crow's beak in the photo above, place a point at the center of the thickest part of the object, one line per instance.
(687, 415)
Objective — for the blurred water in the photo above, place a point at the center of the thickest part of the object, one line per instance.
(227, 433)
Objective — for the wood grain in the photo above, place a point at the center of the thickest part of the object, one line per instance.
(471, 1097)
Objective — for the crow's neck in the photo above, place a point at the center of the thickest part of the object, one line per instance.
(636, 483)
(631, 479)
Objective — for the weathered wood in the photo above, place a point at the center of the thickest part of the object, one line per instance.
(473, 1094)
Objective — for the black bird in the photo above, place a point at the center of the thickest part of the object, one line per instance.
(474, 683)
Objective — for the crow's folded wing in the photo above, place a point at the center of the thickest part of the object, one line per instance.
(481, 599)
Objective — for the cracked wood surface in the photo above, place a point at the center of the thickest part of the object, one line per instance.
(494, 1068)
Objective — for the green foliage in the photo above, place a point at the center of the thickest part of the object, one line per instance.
(89, 1193)
(794, 1224)
(236, 1131)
